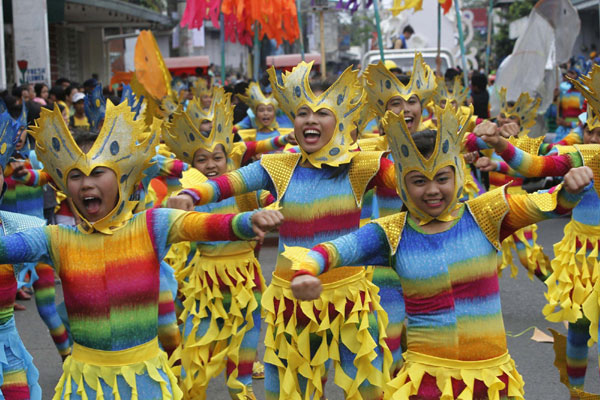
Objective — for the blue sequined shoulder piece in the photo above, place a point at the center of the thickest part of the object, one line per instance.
(15, 223)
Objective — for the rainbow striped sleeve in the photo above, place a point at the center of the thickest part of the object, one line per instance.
(386, 176)
(366, 246)
(247, 179)
(29, 246)
(263, 146)
(572, 138)
(200, 227)
(474, 143)
(45, 294)
(32, 177)
(168, 331)
(538, 166)
(524, 211)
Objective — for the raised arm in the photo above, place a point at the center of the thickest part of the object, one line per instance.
(26, 247)
(264, 146)
(530, 208)
(539, 166)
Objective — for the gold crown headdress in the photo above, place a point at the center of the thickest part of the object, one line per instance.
(525, 108)
(182, 135)
(344, 98)
(255, 97)
(201, 87)
(407, 157)
(118, 148)
(458, 93)
(382, 84)
(589, 86)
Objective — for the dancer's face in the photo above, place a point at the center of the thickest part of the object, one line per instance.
(205, 101)
(211, 164)
(314, 130)
(412, 110)
(432, 196)
(265, 113)
(205, 126)
(96, 195)
(504, 119)
(591, 137)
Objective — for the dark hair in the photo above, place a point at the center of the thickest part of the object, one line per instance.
(404, 79)
(38, 89)
(84, 137)
(59, 92)
(510, 103)
(90, 83)
(60, 81)
(450, 74)
(408, 29)
(425, 141)
(479, 81)
(18, 90)
(69, 90)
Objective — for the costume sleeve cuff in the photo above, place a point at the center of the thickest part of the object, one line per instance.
(193, 194)
(242, 225)
(302, 272)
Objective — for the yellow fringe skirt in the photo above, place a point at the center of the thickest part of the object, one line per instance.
(219, 301)
(533, 253)
(444, 371)
(88, 366)
(574, 273)
(302, 336)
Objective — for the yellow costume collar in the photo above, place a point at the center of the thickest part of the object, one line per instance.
(525, 108)
(382, 85)
(451, 129)
(182, 134)
(118, 147)
(345, 98)
(255, 97)
(589, 86)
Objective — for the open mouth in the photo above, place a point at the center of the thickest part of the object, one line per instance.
(92, 204)
(434, 203)
(211, 174)
(408, 121)
(311, 136)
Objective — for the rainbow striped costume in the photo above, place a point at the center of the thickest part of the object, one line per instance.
(318, 204)
(221, 284)
(114, 323)
(18, 375)
(456, 339)
(573, 286)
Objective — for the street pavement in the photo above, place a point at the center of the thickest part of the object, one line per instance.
(522, 302)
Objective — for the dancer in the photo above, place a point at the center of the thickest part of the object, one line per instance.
(454, 349)
(320, 191)
(109, 249)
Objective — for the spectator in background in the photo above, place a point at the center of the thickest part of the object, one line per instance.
(480, 97)
(64, 82)
(69, 93)
(89, 85)
(400, 42)
(571, 103)
(41, 93)
(79, 119)
(56, 95)
(21, 94)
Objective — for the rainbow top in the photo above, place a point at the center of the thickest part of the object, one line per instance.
(449, 279)
(111, 282)
(317, 205)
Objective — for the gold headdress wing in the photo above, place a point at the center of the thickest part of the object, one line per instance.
(458, 93)
(201, 87)
(184, 138)
(451, 129)
(589, 86)
(117, 148)
(382, 84)
(255, 97)
(525, 108)
(344, 98)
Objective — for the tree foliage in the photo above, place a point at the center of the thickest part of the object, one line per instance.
(503, 45)
(360, 29)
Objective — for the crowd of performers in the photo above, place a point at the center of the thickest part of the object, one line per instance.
(389, 249)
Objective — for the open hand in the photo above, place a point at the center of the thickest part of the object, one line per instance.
(306, 287)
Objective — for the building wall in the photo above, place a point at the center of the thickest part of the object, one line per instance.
(590, 32)
(236, 55)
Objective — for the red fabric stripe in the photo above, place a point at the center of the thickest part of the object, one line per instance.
(483, 287)
(428, 305)
(301, 229)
